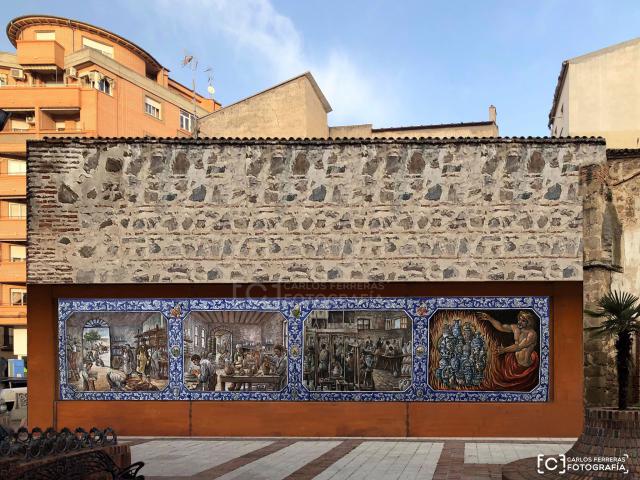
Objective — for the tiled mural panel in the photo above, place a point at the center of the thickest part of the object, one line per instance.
(475, 349)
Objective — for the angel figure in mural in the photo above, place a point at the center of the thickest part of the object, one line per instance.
(519, 365)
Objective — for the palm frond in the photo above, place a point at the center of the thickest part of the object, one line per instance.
(620, 313)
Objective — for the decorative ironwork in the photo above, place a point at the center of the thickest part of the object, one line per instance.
(49, 454)
(77, 467)
(40, 444)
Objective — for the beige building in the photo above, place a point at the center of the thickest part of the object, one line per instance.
(598, 94)
(297, 108)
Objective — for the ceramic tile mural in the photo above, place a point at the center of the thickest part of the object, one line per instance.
(474, 349)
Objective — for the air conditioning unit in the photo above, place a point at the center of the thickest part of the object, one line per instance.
(31, 120)
(17, 73)
(71, 72)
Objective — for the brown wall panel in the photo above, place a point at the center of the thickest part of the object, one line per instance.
(562, 416)
(42, 359)
(126, 417)
(301, 419)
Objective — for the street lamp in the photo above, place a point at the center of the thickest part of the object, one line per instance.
(4, 118)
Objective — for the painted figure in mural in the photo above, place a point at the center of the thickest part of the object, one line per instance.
(462, 356)
(88, 378)
(519, 365)
(339, 352)
(446, 343)
(74, 350)
(127, 360)
(238, 356)
(116, 379)
(97, 350)
(440, 371)
(337, 369)
(142, 361)
(205, 372)
(368, 364)
(155, 364)
(309, 367)
(323, 362)
(350, 368)
(280, 362)
(147, 368)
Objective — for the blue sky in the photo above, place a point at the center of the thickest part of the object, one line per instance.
(389, 63)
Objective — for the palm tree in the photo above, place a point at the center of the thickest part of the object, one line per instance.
(621, 314)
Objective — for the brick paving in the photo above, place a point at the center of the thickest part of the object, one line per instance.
(334, 458)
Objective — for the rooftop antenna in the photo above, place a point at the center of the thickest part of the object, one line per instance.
(191, 62)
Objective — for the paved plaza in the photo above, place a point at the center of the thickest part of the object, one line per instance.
(334, 459)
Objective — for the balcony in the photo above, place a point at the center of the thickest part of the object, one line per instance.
(12, 186)
(15, 142)
(57, 95)
(13, 229)
(39, 54)
(13, 272)
(13, 315)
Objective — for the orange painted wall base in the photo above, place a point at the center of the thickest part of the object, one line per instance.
(560, 417)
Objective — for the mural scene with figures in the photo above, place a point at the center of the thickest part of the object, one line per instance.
(492, 350)
(235, 351)
(117, 352)
(363, 350)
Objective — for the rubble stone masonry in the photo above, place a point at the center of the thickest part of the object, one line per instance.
(341, 210)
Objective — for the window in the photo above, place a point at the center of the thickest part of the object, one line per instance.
(3, 79)
(100, 47)
(17, 210)
(187, 121)
(16, 167)
(49, 35)
(202, 341)
(396, 323)
(18, 296)
(364, 324)
(18, 253)
(104, 85)
(98, 81)
(151, 107)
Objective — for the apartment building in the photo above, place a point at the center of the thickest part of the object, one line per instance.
(70, 78)
(598, 94)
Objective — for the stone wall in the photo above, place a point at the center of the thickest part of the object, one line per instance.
(150, 210)
(612, 253)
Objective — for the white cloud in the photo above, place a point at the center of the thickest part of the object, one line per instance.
(259, 31)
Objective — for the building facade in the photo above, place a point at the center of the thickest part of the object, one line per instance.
(297, 108)
(69, 78)
(314, 287)
(599, 94)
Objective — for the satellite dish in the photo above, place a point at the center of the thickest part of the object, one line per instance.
(211, 90)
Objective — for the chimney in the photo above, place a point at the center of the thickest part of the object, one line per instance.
(492, 114)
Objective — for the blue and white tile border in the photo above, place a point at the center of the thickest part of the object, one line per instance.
(295, 311)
